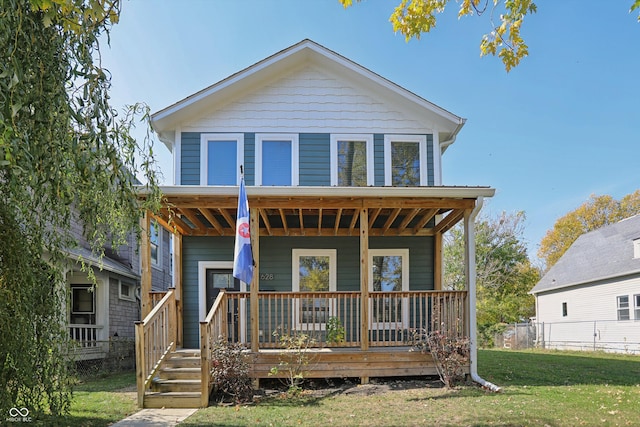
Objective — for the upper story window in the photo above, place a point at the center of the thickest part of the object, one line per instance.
(636, 299)
(352, 160)
(277, 159)
(405, 160)
(222, 155)
(636, 248)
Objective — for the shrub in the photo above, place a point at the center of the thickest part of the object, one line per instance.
(450, 354)
(336, 333)
(230, 370)
(294, 358)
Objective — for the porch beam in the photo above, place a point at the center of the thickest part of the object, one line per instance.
(449, 221)
(390, 220)
(177, 284)
(301, 221)
(425, 219)
(407, 219)
(227, 217)
(354, 219)
(374, 216)
(192, 217)
(364, 279)
(173, 222)
(265, 219)
(145, 255)
(254, 231)
(283, 218)
(212, 220)
(337, 223)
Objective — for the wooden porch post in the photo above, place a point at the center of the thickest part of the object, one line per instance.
(255, 246)
(177, 284)
(437, 261)
(145, 255)
(364, 279)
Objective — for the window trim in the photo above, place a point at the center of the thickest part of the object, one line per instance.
(295, 154)
(132, 291)
(88, 288)
(367, 139)
(636, 248)
(636, 306)
(295, 285)
(153, 225)
(421, 140)
(404, 254)
(620, 310)
(204, 153)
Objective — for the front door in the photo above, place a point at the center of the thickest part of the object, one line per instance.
(218, 279)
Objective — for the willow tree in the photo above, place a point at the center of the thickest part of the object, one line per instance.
(66, 158)
(412, 18)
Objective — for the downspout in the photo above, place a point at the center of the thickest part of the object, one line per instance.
(471, 247)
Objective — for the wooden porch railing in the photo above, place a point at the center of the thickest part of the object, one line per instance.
(156, 297)
(85, 336)
(213, 327)
(393, 316)
(155, 339)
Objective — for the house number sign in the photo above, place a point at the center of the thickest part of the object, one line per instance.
(266, 276)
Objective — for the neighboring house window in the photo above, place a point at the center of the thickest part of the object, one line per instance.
(277, 159)
(83, 305)
(636, 248)
(222, 155)
(405, 160)
(155, 239)
(623, 307)
(352, 160)
(564, 309)
(636, 302)
(389, 273)
(126, 291)
(314, 270)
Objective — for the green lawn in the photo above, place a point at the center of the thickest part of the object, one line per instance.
(551, 389)
(539, 389)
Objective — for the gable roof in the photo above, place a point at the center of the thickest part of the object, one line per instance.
(305, 52)
(600, 254)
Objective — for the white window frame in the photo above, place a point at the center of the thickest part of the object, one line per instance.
(367, 139)
(404, 254)
(204, 153)
(620, 309)
(154, 227)
(636, 248)
(295, 154)
(295, 283)
(636, 306)
(132, 291)
(421, 140)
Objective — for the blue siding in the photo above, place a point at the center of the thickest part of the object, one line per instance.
(315, 159)
(190, 159)
(378, 159)
(249, 158)
(430, 176)
(195, 249)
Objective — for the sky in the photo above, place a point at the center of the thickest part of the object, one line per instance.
(562, 126)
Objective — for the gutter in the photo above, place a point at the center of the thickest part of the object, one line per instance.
(445, 144)
(472, 307)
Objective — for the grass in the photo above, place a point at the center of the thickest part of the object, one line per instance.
(539, 389)
(98, 402)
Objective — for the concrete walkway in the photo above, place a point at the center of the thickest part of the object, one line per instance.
(155, 418)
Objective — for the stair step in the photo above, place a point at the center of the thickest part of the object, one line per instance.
(186, 353)
(172, 373)
(165, 385)
(183, 362)
(172, 400)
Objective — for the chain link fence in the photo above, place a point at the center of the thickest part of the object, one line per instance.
(596, 335)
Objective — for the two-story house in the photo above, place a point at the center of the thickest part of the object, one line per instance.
(347, 212)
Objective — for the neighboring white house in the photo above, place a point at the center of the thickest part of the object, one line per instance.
(590, 299)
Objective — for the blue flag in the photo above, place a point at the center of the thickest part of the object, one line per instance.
(243, 256)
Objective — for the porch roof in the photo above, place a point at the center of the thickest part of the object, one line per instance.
(318, 211)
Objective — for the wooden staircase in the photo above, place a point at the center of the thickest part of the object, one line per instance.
(177, 383)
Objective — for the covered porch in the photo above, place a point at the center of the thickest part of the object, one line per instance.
(378, 326)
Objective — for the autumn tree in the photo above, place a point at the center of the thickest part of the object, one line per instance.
(412, 18)
(504, 274)
(66, 157)
(596, 212)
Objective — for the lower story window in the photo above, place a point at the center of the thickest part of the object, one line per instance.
(314, 271)
(388, 276)
(83, 307)
(623, 307)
